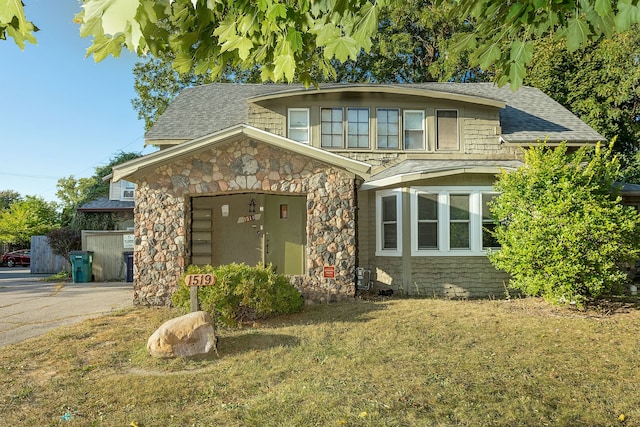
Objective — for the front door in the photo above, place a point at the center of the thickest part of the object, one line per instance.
(250, 228)
(284, 233)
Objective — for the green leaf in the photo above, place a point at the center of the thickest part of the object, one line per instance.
(295, 40)
(627, 14)
(342, 48)
(462, 42)
(226, 29)
(118, 15)
(10, 9)
(603, 7)
(516, 74)
(242, 44)
(104, 46)
(521, 52)
(488, 55)
(577, 33)
(20, 37)
(277, 10)
(263, 5)
(285, 66)
(182, 63)
(325, 33)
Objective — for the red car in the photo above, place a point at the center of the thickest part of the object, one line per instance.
(21, 257)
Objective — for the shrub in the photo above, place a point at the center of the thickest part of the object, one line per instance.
(241, 293)
(563, 231)
(63, 241)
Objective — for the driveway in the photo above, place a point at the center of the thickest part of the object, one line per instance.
(29, 307)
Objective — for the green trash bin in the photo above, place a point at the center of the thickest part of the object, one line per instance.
(81, 266)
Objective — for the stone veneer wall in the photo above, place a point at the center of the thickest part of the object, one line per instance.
(244, 166)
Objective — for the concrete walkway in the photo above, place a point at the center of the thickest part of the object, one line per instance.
(29, 307)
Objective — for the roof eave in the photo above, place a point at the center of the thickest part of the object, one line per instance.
(131, 167)
(428, 93)
(415, 176)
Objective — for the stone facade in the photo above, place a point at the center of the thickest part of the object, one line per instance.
(244, 165)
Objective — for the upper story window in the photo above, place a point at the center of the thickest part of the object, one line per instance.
(447, 130)
(388, 128)
(392, 129)
(333, 122)
(127, 190)
(414, 130)
(358, 127)
(331, 127)
(299, 124)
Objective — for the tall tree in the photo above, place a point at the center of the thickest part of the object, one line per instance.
(76, 192)
(29, 217)
(290, 39)
(8, 197)
(600, 83)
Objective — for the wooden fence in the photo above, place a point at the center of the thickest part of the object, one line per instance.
(43, 260)
(108, 248)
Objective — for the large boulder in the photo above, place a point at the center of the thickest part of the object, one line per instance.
(189, 335)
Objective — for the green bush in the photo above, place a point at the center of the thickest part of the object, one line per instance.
(563, 231)
(241, 293)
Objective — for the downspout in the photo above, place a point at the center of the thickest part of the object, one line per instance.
(356, 240)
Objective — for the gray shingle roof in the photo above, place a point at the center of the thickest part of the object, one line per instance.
(530, 115)
(103, 204)
(408, 167)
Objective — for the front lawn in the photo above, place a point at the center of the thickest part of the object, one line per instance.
(403, 362)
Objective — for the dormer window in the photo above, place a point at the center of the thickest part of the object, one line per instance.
(358, 127)
(333, 124)
(331, 127)
(388, 126)
(447, 130)
(299, 124)
(128, 190)
(414, 132)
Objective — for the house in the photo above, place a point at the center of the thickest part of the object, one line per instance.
(338, 187)
(119, 203)
(112, 243)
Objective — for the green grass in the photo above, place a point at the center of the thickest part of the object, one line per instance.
(406, 362)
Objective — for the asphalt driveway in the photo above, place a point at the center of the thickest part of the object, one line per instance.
(29, 307)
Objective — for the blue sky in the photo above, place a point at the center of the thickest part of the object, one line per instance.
(62, 114)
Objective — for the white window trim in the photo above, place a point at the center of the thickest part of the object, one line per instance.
(127, 186)
(307, 128)
(475, 217)
(380, 251)
(404, 129)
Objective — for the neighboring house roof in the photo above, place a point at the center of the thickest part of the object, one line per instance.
(411, 170)
(528, 114)
(629, 189)
(103, 204)
(129, 168)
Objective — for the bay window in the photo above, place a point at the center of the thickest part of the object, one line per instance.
(451, 221)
